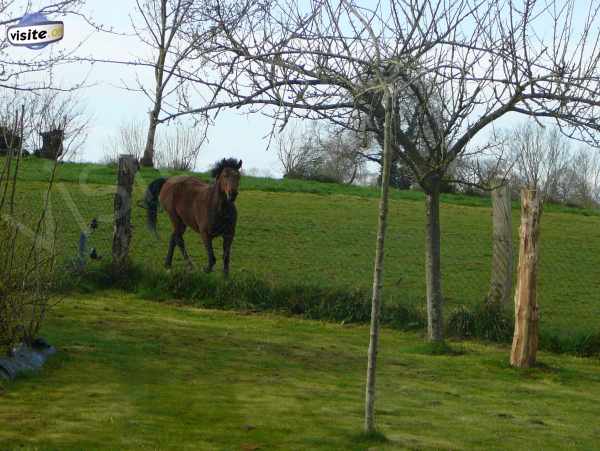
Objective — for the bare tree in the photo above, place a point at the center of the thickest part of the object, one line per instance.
(317, 153)
(298, 151)
(178, 147)
(129, 139)
(17, 69)
(165, 27)
(541, 155)
(579, 183)
(465, 63)
(543, 159)
(47, 111)
(344, 159)
(20, 76)
(64, 114)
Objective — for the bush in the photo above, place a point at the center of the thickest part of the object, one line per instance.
(26, 280)
(590, 346)
(26, 266)
(581, 344)
(247, 291)
(487, 321)
(492, 322)
(461, 323)
(403, 317)
(309, 175)
(9, 139)
(555, 343)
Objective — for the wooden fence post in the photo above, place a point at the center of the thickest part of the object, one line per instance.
(525, 339)
(128, 166)
(502, 251)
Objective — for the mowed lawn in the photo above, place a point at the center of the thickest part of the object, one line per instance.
(326, 237)
(134, 374)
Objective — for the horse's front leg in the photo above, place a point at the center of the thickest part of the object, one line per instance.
(209, 251)
(227, 240)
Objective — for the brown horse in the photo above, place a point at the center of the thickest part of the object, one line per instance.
(207, 209)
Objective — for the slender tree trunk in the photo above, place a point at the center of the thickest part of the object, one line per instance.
(148, 158)
(159, 71)
(525, 339)
(353, 176)
(433, 273)
(502, 251)
(378, 270)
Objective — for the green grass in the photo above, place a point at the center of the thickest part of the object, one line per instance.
(134, 374)
(39, 170)
(288, 235)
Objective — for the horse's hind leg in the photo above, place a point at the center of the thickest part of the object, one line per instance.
(209, 251)
(181, 244)
(169, 257)
(177, 240)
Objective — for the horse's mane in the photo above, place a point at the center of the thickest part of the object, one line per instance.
(218, 167)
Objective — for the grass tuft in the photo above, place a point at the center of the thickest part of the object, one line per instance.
(439, 348)
(370, 438)
(486, 321)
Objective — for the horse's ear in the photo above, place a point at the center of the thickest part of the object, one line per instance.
(239, 165)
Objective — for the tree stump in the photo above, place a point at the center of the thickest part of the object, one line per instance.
(502, 250)
(525, 339)
(128, 166)
(52, 144)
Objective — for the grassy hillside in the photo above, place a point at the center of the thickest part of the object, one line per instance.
(323, 234)
(39, 170)
(134, 374)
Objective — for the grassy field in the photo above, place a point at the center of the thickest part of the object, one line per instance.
(295, 232)
(135, 374)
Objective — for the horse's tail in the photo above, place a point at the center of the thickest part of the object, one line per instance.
(150, 203)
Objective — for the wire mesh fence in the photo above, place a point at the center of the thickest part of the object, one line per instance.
(327, 240)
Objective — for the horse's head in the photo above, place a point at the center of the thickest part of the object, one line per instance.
(227, 174)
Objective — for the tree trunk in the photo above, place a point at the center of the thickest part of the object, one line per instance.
(148, 158)
(378, 270)
(122, 232)
(502, 251)
(525, 339)
(159, 71)
(433, 273)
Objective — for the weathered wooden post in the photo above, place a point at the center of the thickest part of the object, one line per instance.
(128, 166)
(502, 250)
(525, 339)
